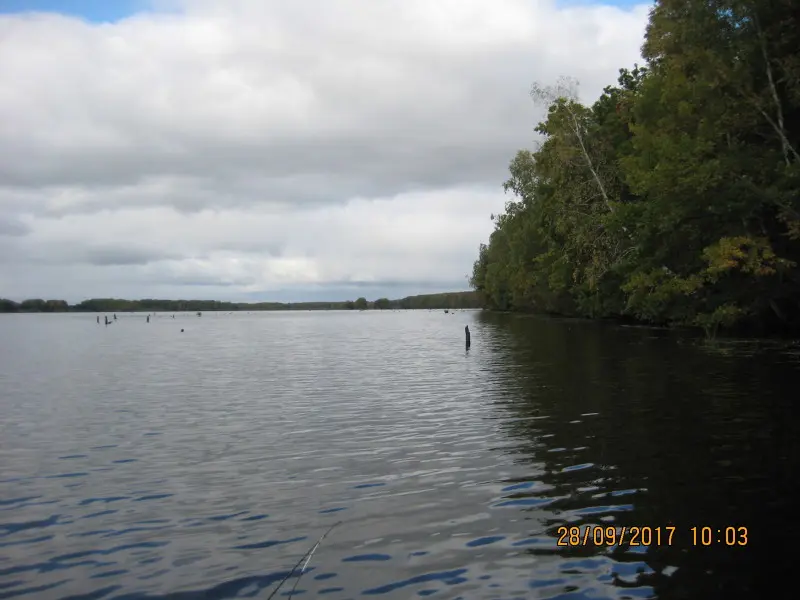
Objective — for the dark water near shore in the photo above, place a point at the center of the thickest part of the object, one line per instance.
(140, 462)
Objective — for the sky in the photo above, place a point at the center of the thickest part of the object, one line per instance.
(270, 150)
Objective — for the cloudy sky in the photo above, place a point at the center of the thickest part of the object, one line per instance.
(266, 149)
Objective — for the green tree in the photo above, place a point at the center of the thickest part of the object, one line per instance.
(560, 244)
(715, 156)
(55, 306)
(361, 304)
(32, 305)
(675, 197)
(382, 303)
(8, 305)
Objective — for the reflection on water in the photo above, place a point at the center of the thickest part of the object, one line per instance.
(139, 462)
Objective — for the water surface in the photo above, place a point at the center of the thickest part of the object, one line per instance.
(139, 461)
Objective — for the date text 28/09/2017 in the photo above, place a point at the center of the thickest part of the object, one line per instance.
(598, 535)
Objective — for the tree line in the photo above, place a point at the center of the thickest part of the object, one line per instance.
(674, 199)
(443, 300)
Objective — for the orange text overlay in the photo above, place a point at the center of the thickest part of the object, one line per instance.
(598, 535)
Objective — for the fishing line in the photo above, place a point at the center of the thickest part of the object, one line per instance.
(307, 557)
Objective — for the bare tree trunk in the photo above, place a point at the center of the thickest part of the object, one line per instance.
(778, 123)
(579, 135)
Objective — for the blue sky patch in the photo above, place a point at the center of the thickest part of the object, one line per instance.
(98, 11)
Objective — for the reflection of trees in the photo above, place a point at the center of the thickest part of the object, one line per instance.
(681, 435)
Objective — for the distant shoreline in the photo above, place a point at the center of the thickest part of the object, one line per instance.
(443, 300)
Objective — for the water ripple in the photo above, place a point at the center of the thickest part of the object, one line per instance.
(269, 543)
(366, 557)
(142, 465)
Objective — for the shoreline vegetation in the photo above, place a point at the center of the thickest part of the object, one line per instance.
(674, 199)
(449, 300)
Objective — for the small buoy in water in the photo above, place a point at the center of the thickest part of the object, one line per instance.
(181, 330)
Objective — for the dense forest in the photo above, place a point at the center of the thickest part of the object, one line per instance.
(444, 300)
(674, 199)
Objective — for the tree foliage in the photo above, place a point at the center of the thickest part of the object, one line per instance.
(33, 305)
(675, 197)
(382, 303)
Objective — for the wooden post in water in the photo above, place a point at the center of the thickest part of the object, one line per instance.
(466, 331)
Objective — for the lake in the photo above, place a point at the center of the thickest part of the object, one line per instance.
(139, 461)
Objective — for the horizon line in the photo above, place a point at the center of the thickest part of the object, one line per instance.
(235, 301)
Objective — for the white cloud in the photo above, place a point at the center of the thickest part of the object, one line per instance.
(262, 145)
